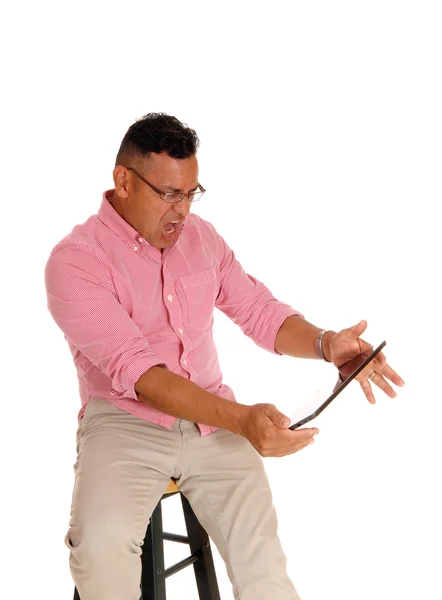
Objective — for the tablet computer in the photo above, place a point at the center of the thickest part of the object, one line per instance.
(343, 385)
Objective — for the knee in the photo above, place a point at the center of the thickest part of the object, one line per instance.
(101, 545)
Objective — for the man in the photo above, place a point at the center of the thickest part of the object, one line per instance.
(133, 289)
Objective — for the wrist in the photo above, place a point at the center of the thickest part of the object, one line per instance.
(322, 344)
(326, 344)
(236, 417)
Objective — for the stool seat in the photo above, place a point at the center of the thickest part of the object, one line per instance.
(172, 488)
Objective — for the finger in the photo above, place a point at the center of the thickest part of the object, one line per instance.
(279, 452)
(307, 433)
(366, 388)
(288, 441)
(298, 435)
(276, 416)
(383, 369)
(352, 333)
(303, 443)
(373, 366)
(390, 374)
(359, 328)
(366, 372)
(381, 358)
(382, 384)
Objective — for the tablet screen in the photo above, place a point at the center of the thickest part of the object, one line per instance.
(337, 391)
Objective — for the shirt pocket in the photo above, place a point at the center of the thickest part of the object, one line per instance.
(200, 291)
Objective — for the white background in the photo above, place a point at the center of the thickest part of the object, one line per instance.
(320, 127)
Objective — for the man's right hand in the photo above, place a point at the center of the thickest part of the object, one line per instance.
(266, 428)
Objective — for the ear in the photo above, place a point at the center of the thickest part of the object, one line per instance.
(122, 181)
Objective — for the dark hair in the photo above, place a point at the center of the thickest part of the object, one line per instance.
(158, 132)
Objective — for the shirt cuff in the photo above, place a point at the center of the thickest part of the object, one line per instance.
(124, 387)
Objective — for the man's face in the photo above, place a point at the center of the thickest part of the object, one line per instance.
(143, 208)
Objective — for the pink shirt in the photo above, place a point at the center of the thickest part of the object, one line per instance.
(125, 306)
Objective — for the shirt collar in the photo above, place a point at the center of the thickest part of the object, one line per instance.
(114, 221)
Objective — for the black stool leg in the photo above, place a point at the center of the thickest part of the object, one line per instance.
(204, 568)
(76, 595)
(153, 578)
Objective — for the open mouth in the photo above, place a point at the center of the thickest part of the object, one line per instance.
(171, 227)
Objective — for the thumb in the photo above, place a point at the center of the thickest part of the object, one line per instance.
(359, 329)
(278, 418)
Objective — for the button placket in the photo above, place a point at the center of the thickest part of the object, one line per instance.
(173, 312)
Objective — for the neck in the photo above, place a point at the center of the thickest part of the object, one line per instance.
(116, 204)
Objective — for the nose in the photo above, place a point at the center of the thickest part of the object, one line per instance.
(182, 208)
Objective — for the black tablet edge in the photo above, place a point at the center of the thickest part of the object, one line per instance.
(344, 384)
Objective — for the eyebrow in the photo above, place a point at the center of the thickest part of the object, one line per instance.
(174, 189)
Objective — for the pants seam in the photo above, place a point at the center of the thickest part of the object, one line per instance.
(140, 534)
(206, 495)
(178, 470)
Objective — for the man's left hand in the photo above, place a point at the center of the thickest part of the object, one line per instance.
(347, 350)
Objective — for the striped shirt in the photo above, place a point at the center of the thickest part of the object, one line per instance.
(125, 306)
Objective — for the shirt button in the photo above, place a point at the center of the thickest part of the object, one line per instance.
(135, 248)
(140, 240)
(180, 330)
(170, 297)
(184, 362)
(113, 392)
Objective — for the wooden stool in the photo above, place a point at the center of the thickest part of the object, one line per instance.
(153, 571)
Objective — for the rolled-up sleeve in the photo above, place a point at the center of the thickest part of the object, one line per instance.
(245, 299)
(83, 302)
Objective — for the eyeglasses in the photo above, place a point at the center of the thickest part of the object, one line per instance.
(172, 197)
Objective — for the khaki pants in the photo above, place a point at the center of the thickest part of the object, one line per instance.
(123, 467)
